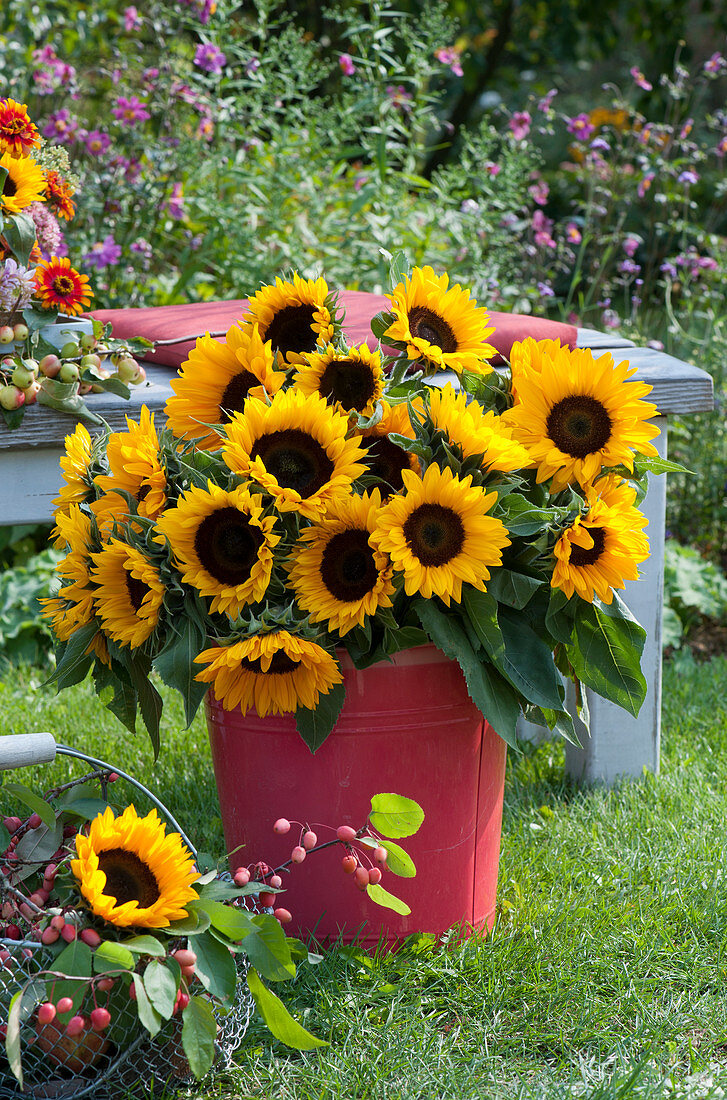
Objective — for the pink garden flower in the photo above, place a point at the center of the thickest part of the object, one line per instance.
(132, 20)
(520, 125)
(399, 97)
(538, 191)
(346, 64)
(449, 56)
(573, 233)
(640, 80)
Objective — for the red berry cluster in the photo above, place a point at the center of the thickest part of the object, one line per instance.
(366, 869)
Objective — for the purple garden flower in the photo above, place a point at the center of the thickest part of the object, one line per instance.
(545, 291)
(399, 97)
(208, 57)
(97, 142)
(175, 203)
(573, 233)
(252, 66)
(61, 126)
(545, 102)
(520, 125)
(104, 253)
(130, 111)
(581, 127)
(629, 245)
(688, 177)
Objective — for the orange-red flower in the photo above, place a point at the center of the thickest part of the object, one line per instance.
(58, 195)
(60, 286)
(18, 135)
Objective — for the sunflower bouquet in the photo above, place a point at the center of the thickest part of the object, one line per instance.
(308, 499)
(123, 953)
(39, 285)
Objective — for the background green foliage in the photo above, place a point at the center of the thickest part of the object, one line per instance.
(333, 132)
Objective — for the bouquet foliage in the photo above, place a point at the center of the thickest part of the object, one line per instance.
(310, 501)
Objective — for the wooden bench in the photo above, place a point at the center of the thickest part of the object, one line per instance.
(618, 744)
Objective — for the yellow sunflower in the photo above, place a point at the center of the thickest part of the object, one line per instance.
(352, 379)
(132, 872)
(275, 673)
(215, 382)
(386, 460)
(75, 464)
(294, 316)
(133, 458)
(476, 432)
(602, 549)
(223, 544)
(438, 534)
(296, 449)
(440, 326)
(529, 354)
(73, 606)
(578, 414)
(336, 574)
(24, 183)
(129, 595)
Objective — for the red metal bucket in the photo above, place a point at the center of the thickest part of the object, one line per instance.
(409, 727)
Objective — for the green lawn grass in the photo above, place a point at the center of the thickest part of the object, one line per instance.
(605, 976)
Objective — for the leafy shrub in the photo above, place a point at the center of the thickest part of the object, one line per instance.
(693, 587)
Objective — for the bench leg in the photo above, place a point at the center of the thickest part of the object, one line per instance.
(618, 743)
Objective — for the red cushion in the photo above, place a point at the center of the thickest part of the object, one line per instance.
(183, 324)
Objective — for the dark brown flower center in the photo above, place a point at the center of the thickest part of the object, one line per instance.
(128, 878)
(386, 461)
(427, 325)
(227, 545)
(295, 459)
(350, 382)
(579, 425)
(137, 590)
(9, 187)
(580, 555)
(235, 394)
(434, 534)
(63, 284)
(280, 664)
(348, 569)
(291, 329)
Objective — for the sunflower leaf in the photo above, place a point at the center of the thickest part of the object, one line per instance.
(514, 589)
(19, 231)
(175, 664)
(315, 725)
(607, 652)
(74, 662)
(497, 700)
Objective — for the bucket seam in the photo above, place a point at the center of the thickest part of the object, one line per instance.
(477, 818)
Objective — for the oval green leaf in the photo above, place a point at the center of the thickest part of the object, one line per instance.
(393, 815)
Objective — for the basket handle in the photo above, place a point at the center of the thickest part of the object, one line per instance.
(19, 750)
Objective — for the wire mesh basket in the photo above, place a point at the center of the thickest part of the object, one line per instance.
(123, 1060)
